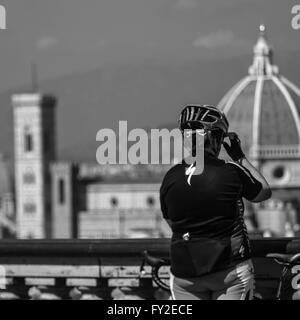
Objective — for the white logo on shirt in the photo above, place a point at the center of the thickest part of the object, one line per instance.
(242, 251)
(189, 172)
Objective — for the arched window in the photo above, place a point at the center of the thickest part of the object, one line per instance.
(30, 208)
(28, 140)
(61, 191)
(28, 178)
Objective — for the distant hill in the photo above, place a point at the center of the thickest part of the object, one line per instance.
(147, 93)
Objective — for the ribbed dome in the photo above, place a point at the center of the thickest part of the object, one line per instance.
(264, 108)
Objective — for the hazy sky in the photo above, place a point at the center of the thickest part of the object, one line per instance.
(67, 36)
(152, 56)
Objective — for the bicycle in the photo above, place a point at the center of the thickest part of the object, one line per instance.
(289, 281)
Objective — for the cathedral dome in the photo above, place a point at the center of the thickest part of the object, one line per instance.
(264, 108)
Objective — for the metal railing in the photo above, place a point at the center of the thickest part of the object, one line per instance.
(106, 269)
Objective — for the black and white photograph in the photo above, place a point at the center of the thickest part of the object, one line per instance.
(149, 150)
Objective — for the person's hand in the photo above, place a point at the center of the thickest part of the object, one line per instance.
(234, 150)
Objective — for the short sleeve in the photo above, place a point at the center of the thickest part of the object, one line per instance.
(251, 186)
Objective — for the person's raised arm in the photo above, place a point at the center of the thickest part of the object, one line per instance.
(265, 192)
(235, 151)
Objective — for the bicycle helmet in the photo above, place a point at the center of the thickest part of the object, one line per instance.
(208, 121)
(205, 117)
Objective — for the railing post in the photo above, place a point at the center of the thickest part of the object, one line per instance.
(18, 288)
(61, 290)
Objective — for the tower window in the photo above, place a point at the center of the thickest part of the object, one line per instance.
(29, 208)
(28, 142)
(61, 191)
(28, 178)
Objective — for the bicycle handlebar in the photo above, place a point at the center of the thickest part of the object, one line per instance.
(156, 264)
(284, 259)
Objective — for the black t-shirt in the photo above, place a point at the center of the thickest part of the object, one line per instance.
(209, 206)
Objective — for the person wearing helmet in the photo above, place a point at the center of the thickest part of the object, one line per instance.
(210, 251)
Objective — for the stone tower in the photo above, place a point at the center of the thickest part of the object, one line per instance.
(34, 149)
(65, 200)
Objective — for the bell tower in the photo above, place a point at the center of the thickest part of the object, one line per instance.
(34, 149)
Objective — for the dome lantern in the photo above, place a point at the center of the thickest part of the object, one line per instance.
(263, 56)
